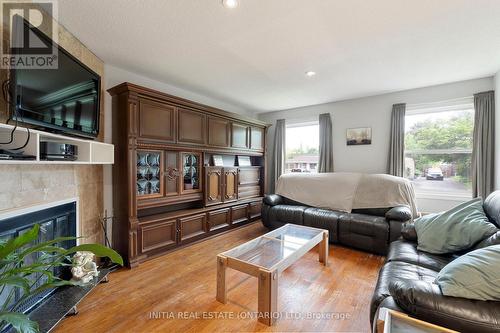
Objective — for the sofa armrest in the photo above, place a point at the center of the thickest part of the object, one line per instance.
(425, 301)
(273, 199)
(396, 217)
(399, 213)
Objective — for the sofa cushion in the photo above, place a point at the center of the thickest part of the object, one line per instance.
(371, 211)
(405, 251)
(475, 275)
(492, 240)
(323, 219)
(454, 230)
(362, 224)
(492, 207)
(287, 214)
(424, 300)
(397, 270)
(365, 232)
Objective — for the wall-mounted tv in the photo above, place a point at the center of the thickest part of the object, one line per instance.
(64, 100)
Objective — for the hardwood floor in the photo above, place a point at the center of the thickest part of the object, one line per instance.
(176, 293)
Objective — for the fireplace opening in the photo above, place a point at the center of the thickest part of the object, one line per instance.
(55, 221)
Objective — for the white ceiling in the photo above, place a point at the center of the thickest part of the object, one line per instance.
(255, 56)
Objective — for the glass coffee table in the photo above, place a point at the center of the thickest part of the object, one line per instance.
(267, 256)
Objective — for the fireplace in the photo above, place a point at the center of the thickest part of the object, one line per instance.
(55, 220)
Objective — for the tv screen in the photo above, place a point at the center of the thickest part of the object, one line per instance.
(65, 99)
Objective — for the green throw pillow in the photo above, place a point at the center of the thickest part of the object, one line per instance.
(454, 230)
(475, 275)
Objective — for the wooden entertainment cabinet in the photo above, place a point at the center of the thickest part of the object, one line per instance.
(167, 192)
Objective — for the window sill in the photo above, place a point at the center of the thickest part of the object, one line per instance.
(443, 196)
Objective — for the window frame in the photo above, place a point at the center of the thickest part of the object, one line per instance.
(459, 104)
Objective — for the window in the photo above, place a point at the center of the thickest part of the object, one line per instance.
(438, 150)
(302, 147)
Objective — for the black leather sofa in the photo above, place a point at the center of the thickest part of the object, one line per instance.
(406, 283)
(365, 229)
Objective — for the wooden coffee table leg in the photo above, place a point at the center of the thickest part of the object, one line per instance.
(221, 279)
(323, 249)
(268, 296)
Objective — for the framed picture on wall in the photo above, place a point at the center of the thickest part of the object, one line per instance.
(359, 136)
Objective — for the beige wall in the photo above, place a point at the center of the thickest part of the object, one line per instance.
(26, 185)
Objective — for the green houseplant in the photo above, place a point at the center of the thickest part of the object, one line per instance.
(35, 276)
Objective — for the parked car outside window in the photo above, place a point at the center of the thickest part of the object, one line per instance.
(435, 174)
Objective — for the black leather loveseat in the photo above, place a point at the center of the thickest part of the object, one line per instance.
(406, 283)
(365, 229)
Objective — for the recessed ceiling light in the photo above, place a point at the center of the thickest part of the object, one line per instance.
(310, 73)
(230, 3)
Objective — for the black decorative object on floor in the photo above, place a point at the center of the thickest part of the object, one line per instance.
(63, 302)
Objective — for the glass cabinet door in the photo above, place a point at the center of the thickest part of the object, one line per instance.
(191, 168)
(149, 164)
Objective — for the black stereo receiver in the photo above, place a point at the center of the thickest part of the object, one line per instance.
(56, 151)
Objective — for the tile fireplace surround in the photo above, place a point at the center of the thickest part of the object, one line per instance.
(27, 185)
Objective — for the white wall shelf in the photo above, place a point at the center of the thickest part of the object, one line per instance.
(89, 151)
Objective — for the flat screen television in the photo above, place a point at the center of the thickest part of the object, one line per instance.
(63, 100)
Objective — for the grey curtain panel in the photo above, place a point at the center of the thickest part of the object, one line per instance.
(325, 143)
(278, 157)
(483, 150)
(396, 164)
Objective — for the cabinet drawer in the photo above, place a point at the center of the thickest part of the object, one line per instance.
(218, 219)
(192, 226)
(248, 192)
(249, 176)
(255, 209)
(157, 235)
(239, 214)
